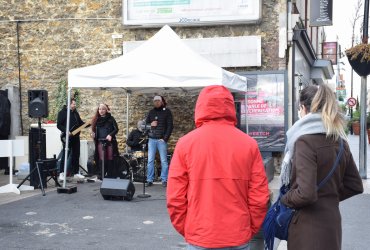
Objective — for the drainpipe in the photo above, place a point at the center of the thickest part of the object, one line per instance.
(19, 79)
(291, 64)
(305, 13)
(290, 28)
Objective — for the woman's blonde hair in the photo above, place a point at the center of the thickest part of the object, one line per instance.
(321, 99)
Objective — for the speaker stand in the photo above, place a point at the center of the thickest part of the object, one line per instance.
(39, 160)
(40, 179)
(144, 195)
(83, 169)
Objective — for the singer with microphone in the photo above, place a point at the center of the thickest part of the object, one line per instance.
(161, 122)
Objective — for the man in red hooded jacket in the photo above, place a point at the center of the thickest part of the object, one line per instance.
(217, 190)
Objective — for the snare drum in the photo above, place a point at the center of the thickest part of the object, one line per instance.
(138, 154)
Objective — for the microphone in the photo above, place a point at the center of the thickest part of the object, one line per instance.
(156, 120)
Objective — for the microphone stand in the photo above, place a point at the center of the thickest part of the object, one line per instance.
(104, 146)
(144, 195)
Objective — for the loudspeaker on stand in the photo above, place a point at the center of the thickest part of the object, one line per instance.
(38, 103)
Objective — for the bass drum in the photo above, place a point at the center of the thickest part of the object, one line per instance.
(137, 166)
(122, 167)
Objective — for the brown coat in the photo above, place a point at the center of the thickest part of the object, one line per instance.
(317, 224)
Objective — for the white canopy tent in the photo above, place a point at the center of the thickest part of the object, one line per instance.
(161, 64)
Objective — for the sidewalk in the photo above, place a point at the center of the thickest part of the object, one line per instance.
(354, 144)
(11, 197)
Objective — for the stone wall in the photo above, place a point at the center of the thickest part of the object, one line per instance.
(55, 36)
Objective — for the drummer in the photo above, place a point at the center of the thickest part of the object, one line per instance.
(136, 138)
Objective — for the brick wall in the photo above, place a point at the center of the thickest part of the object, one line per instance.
(55, 36)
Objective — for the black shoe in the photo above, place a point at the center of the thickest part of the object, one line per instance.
(149, 184)
(164, 184)
(6, 172)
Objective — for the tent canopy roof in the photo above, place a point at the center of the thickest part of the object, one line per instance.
(162, 63)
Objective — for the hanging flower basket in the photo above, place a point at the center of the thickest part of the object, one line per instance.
(359, 58)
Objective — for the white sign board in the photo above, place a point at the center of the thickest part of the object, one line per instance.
(240, 51)
(10, 148)
(190, 12)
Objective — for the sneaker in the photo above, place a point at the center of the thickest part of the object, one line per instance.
(149, 184)
(164, 184)
(92, 179)
(61, 177)
(79, 176)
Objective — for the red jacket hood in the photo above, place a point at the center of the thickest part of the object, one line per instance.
(215, 103)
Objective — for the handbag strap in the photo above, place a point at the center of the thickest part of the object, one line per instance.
(336, 163)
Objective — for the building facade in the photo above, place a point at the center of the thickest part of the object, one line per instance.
(275, 47)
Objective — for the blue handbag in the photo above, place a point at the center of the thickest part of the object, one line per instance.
(279, 216)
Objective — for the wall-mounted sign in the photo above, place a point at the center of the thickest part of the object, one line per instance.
(262, 109)
(330, 51)
(190, 12)
(321, 13)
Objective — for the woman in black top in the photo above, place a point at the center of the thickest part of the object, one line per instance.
(104, 129)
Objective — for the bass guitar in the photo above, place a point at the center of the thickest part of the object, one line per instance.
(74, 131)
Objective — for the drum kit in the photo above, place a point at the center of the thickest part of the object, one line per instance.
(134, 166)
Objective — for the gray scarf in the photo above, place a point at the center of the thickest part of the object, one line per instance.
(309, 124)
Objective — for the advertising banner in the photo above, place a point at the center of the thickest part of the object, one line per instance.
(321, 13)
(190, 12)
(262, 110)
(329, 51)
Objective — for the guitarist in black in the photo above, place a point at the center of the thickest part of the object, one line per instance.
(74, 141)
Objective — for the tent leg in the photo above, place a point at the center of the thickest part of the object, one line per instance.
(65, 189)
(127, 114)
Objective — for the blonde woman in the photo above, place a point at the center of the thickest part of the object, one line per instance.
(312, 148)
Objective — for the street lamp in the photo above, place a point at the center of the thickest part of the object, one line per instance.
(363, 105)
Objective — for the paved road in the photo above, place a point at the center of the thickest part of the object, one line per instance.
(85, 221)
